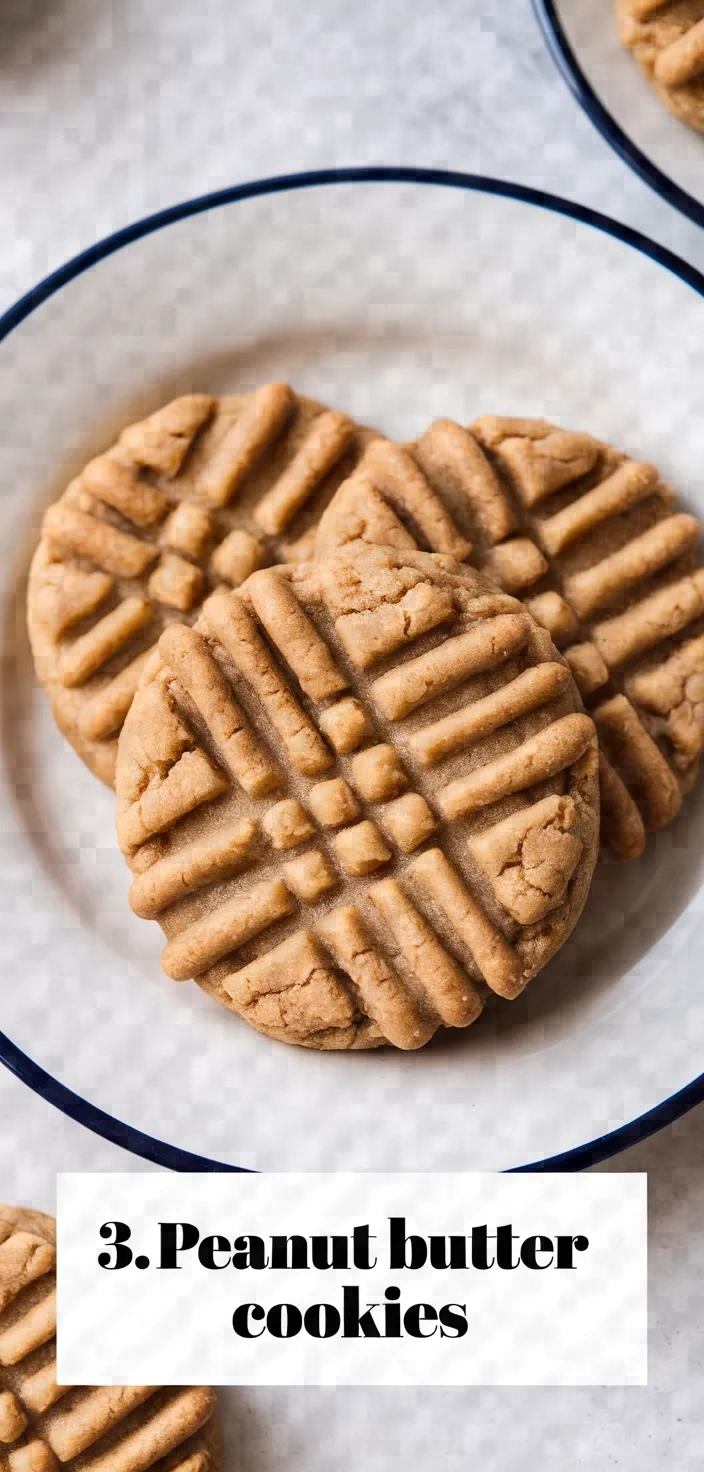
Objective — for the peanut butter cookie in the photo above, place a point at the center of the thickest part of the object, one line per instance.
(596, 546)
(195, 497)
(667, 38)
(44, 1426)
(359, 795)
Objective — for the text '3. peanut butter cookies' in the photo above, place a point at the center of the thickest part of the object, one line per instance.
(604, 558)
(358, 796)
(667, 39)
(45, 1426)
(195, 497)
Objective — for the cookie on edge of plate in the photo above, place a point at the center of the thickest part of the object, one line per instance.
(666, 38)
(82, 1429)
(196, 496)
(596, 546)
(358, 796)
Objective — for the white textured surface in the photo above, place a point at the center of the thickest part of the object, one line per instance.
(109, 111)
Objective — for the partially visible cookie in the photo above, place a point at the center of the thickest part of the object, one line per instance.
(359, 795)
(667, 39)
(597, 547)
(44, 1426)
(194, 497)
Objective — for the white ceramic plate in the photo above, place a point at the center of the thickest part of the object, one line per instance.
(608, 83)
(398, 296)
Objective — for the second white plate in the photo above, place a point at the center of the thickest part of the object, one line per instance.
(609, 85)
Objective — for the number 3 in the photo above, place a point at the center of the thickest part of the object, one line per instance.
(119, 1256)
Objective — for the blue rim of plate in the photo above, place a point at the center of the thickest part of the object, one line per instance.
(126, 1136)
(546, 13)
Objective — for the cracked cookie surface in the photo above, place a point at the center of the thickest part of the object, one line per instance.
(301, 778)
(614, 576)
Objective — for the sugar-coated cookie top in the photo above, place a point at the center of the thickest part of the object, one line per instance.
(357, 795)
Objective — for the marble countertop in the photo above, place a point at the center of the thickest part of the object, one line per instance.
(111, 109)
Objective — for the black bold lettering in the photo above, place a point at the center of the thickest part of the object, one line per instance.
(392, 1314)
(240, 1320)
(448, 1252)
(329, 1252)
(400, 1246)
(481, 1257)
(207, 1250)
(249, 1253)
(176, 1237)
(453, 1320)
(362, 1239)
(505, 1238)
(565, 1258)
(322, 1321)
(530, 1249)
(284, 1321)
(118, 1256)
(417, 1314)
(289, 1252)
(356, 1324)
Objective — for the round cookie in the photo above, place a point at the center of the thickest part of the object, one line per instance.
(598, 548)
(667, 39)
(194, 497)
(91, 1429)
(358, 796)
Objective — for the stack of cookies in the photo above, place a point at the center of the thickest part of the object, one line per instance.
(359, 699)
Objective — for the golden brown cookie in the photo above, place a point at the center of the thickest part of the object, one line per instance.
(195, 497)
(358, 796)
(603, 557)
(45, 1426)
(667, 39)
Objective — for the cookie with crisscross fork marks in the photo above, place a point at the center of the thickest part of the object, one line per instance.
(604, 558)
(45, 1427)
(195, 497)
(359, 795)
(667, 38)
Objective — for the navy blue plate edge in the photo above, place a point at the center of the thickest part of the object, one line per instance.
(172, 1157)
(562, 54)
(126, 1136)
